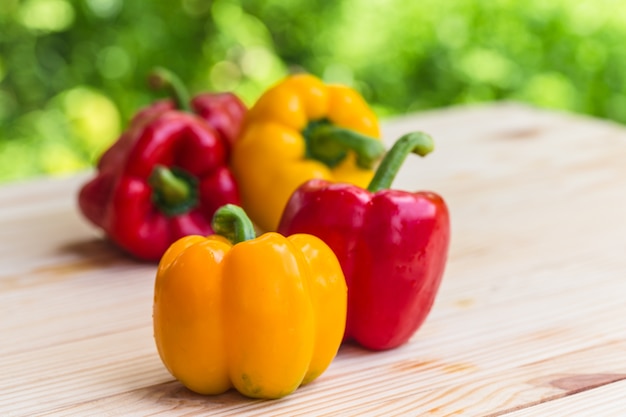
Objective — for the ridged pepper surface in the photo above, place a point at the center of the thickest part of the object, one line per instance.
(300, 129)
(167, 173)
(263, 315)
(392, 246)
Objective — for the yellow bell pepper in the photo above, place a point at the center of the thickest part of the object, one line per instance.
(298, 130)
(263, 315)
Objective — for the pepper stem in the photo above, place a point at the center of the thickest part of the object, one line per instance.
(161, 78)
(416, 142)
(173, 190)
(329, 144)
(233, 223)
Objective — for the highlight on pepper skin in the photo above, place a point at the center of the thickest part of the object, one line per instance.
(392, 245)
(297, 130)
(167, 173)
(263, 315)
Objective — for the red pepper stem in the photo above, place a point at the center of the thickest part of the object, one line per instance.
(416, 142)
(233, 223)
(329, 144)
(161, 78)
(173, 189)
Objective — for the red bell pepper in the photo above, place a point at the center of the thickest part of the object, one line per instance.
(167, 173)
(224, 112)
(392, 245)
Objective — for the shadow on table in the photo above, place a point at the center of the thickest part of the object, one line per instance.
(98, 253)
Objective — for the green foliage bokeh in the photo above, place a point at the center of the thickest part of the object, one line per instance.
(73, 72)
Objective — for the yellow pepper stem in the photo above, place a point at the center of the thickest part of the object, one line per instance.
(415, 142)
(233, 223)
(330, 144)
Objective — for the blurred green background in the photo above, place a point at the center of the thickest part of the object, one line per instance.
(73, 72)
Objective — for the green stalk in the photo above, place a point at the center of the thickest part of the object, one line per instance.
(162, 78)
(416, 142)
(174, 191)
(330, 144)
(233, 223)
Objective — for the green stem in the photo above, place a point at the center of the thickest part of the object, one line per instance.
(233, 223)
(416, 142)
(162, 78)
(329, 144)
(173, 190)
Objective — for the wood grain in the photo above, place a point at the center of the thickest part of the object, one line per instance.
(529, 319)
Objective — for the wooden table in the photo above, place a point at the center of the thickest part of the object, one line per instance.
(530, 319)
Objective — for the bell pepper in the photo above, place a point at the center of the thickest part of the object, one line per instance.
(263, 315)
(392, 245)
(224, 112)
(297, 130)
(167, 173)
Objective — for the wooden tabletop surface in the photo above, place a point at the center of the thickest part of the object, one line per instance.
(530, 319)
